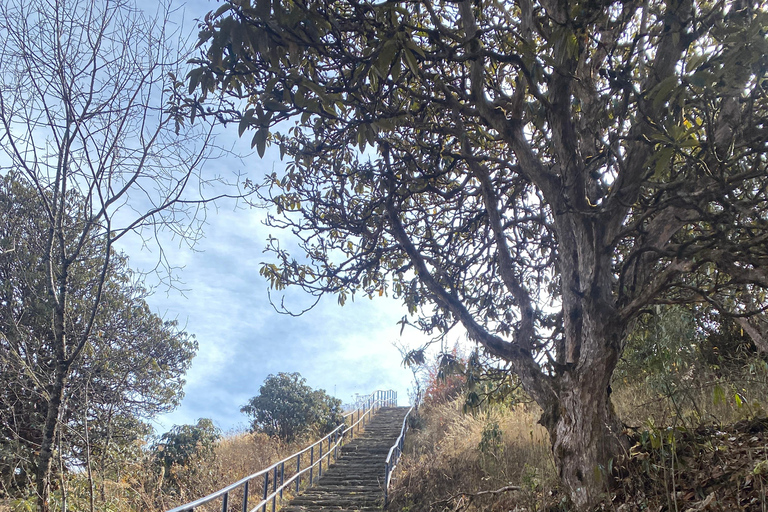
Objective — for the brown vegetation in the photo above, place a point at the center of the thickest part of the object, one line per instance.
(697, 426)
(452, 455)
(140, 486)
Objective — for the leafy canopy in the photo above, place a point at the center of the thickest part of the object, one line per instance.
(178, 445)
(288, 408)
(541, 172)
(498, 163)
(132, 365)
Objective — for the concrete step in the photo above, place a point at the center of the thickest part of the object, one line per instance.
(354, 482)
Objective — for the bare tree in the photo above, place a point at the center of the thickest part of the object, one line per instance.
(84, 94)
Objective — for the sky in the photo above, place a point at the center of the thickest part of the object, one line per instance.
(223, 301)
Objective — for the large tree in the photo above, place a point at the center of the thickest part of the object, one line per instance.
(84, 94)
(538, 171)
(131, 369)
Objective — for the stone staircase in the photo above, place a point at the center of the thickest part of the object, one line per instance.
(356, 481)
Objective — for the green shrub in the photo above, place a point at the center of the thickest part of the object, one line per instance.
(288, 408)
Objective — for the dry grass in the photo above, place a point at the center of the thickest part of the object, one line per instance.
(692, 400)
(453, 453)
(236, 456)
(142, 487)
(687, 428)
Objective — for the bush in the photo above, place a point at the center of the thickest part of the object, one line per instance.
(689, 367)
(288, 408)
(183, 441)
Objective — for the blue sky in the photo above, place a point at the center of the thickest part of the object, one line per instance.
(223, 301)
(344, 350)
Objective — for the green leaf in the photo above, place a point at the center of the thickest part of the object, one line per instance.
(662, 92)
(361, 138)
(245, 122)
(314, 87)
(411, 45)
(694, 62)
(410, 60)
(299, 98)
(387, 55)
(703, 79)
(260, 141)
(275, 106)
(663, 159)
(194, 79)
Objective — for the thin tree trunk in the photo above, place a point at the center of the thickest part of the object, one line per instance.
(62, 475)
(105, 455)
(88, 451)
(56, 395)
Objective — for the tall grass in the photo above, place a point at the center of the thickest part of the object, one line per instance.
(143, 486)
(450, 456)
(673, 393)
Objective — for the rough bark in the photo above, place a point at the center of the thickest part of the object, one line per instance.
(585, 432)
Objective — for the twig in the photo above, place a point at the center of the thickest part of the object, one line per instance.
(472, 495)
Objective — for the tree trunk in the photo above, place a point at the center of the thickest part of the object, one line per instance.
(585, 433)
(55, 400)
(45, 459)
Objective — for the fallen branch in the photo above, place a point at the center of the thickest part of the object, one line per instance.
(461, 505)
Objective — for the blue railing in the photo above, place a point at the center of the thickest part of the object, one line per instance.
(397, 449)
(259, 483)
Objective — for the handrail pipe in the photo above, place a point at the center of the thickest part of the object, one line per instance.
(333, 440)
(397, 449)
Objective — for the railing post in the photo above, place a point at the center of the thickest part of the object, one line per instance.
(298, 472)
(266, 491)
(320, 458)
(274, 489)
(311, 464)
(360, 417)
(386, 485)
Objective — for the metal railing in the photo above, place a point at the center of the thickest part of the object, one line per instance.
(259, 483)
(397, 449)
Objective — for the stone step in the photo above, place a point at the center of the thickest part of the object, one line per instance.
(354, 482)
